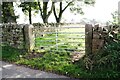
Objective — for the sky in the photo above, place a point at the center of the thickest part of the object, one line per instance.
(101, 11)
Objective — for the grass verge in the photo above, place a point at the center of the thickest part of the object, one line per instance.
(105, 64)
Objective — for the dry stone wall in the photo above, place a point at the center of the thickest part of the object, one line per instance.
(98, 38)
(95, 38)
(12, 35)
(22, 36)
(39, 29)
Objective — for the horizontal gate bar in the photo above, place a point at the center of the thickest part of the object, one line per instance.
(63, 33)
(54, 45)
(47, 40)
(59, 27)
(75, 42)
(67, 45)
(45, 45)
(66, 51)
(59, 36)
(82, 48)
(75, 37)
(59, 40)
(72, 27)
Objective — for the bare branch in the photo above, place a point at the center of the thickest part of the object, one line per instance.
(51, 9)
(54, 11)
(60, 6)
(67, 6)
(40, 9)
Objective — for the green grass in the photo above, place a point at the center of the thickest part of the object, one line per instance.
(73, 41)
(10, 54)
(56, 62)
(60, 63)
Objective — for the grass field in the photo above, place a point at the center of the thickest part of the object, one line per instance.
(72, 38)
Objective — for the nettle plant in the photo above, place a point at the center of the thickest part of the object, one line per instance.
(115, 23)
(114, 32)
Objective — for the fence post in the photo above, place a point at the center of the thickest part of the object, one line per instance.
(88, 38)
(29, 37)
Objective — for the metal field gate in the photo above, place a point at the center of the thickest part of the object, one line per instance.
(70, 38)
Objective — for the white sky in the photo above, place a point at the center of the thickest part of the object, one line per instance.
(101, 11)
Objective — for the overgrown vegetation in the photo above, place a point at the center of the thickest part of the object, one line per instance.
(104, 64)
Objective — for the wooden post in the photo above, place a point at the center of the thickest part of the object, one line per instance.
(88, 38)
(29, 37)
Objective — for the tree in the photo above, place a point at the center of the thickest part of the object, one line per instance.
(71, 4)
(27, 8)
(115, 17)
(8, 14)
(44, 10)
(113, 26)
(115, 22)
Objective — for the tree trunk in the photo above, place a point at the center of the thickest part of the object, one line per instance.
(45, 19)
(30, 19)
(61, 10)
(44, 11)
(58, 20)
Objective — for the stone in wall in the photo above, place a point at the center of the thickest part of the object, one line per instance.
(98, 39)
(12, 35)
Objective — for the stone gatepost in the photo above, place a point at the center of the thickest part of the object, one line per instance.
(29, 37)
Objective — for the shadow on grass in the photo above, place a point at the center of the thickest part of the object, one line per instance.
(11, 54)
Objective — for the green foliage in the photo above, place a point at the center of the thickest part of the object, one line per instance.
(8, 14)
(89, 2)
(115, 18)
(104, 64)
(100, 65)
(26, 5)
(113, 33)
(77, 8)
(110, 57)
(74, 5)
(109, 60)
(10, 54)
